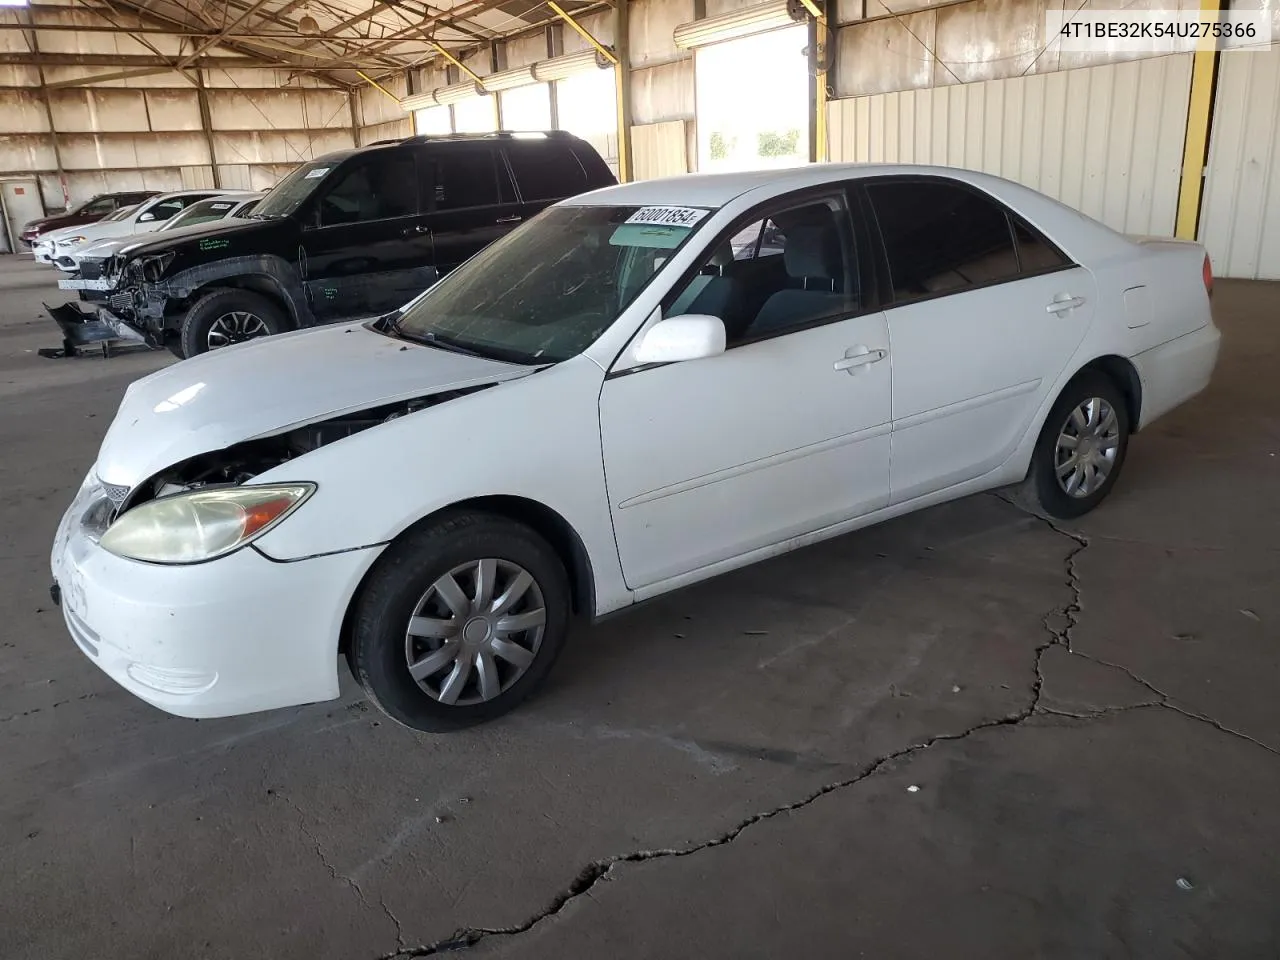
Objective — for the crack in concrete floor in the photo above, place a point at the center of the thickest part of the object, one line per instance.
(602, 869)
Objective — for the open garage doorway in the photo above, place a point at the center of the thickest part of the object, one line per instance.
(753, 102)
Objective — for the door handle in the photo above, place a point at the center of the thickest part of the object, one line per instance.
(858, 357)
(508, 220)
(1062, 303)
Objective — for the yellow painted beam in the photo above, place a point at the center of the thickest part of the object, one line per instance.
(458, 63)
(1204, 70)
(821, 35)
(583, 32)
(376, 85)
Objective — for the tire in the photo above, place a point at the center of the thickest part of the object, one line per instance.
(404, 585)
(243, 315)
(1105, 446)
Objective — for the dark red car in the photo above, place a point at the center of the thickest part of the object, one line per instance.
(91, 211)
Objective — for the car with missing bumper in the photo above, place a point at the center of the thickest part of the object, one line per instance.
(351, 235)
(655, 411)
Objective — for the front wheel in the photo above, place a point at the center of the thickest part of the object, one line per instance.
(459, 622)
(1081, 448)
(223, 317)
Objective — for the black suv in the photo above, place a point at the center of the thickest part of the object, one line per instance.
(354, 234)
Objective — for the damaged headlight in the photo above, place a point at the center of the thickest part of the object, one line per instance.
(192, 527)
(151, 268)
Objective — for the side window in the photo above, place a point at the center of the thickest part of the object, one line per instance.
(100, 208)
(1035, 253)
(383, 187)
(941, 237)
(461, 178)
(164, 210)
(545, 170)
(792, 269)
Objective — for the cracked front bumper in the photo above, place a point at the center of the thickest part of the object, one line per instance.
(80, 327)
(235, 635)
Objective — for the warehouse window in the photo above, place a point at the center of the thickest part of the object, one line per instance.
(753, 117)
(588, 108)
(527, 108)
(433, 120)
(476, 115)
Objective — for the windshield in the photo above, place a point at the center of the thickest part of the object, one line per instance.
(547, 291)
(205, 211)
(121, 214)
(287, 195)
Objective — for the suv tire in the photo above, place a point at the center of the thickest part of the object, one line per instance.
(231, 316)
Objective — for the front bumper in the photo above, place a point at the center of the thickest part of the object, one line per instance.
(81, 327)
(235, 635)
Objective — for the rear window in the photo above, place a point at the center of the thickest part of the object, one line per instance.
(546, 170)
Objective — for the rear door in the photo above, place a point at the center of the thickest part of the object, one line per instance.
(471, 201)
(984, 314)
(365, 240)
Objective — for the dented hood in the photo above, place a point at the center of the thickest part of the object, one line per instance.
(267, 386)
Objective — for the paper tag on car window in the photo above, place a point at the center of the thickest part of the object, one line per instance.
(317, 172)
(668, 216)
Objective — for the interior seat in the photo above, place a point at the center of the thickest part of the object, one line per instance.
(812, 259)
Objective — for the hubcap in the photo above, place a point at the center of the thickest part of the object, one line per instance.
(475, 632)
(1087, 447)
(235, 327)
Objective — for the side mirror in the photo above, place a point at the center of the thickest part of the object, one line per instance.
(690, 337)
(146, 218)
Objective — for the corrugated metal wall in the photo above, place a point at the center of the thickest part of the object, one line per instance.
(1106, 140)
(1240, 215)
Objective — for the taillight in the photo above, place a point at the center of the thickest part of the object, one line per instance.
(1208, 276)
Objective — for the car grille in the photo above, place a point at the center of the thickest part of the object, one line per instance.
(115, 493)
(91, 269)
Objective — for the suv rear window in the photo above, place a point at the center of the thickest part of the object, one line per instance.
(546, 170)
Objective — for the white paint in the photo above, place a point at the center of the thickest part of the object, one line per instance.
(667, 474)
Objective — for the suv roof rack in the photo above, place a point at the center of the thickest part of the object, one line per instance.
(494, 135)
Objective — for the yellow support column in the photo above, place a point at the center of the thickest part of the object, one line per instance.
(1204, 72)
(621, 75)
(818, 58)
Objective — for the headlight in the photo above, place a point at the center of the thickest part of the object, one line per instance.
(70, 240)
(192, 527)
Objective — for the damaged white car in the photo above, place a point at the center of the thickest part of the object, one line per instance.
(630, 393)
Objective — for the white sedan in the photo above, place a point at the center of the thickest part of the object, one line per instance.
(42, 249)
(620, 398)
(146, 217)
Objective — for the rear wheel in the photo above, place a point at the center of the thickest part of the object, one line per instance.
(459, 622)
(1081, 449)
(224, 317)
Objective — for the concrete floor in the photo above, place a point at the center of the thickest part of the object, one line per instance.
(965, 733)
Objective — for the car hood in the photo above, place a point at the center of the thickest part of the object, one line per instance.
(268, 386)
(44, 224)
(53, 236)
(134, 241)
(100, 231)
(230, 227)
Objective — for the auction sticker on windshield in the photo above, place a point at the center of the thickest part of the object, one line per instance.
(668, 216)
(316, 173)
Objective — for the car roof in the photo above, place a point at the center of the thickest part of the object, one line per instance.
(498, 136)
(718, 189)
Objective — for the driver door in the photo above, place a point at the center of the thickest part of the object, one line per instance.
(784, 433)
(366, 247)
